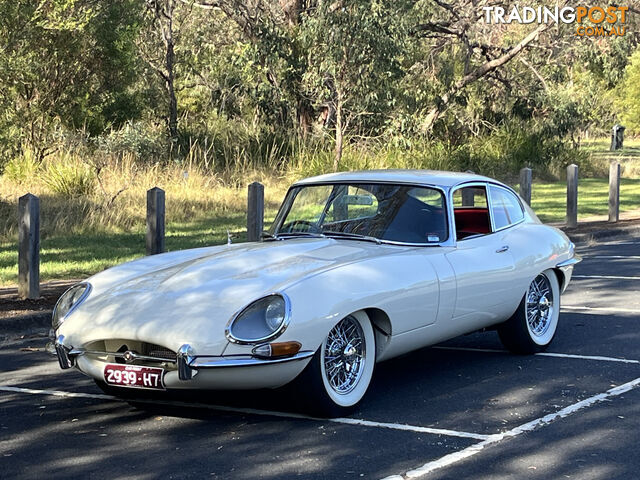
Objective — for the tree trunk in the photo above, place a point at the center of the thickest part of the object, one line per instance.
(291, 10)
(170, 58)
(339, 134)
(173, 102)
(304, 115)
(443, 102)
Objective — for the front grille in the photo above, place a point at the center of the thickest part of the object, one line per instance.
(156, 351)
(118, 346)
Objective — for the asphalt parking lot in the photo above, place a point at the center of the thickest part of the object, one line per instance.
(463, 409)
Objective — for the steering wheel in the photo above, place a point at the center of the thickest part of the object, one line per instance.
(292, 227)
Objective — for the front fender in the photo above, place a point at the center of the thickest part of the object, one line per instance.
(406, 287)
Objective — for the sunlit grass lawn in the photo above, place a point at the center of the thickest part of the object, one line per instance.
(549, 200)
(81, 255)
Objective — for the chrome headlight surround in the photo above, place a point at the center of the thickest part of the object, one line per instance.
(68, 302)
(257, 315)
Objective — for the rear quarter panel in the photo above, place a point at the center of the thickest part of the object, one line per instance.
(535, 247)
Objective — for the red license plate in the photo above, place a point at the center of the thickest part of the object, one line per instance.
(134, 376)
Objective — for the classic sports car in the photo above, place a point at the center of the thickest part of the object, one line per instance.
(357, 268)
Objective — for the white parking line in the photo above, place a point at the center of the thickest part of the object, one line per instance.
(452, 458)
(621, 243)
(633, 257)
(608, 277)
(601, 309)
(543, 354)
(222, 408)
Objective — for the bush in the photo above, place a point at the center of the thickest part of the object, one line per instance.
(628, 102)
(68, 177)
(23, 168)
(147, 142)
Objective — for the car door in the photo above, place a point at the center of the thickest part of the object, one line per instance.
(481, 261)
(508, 218)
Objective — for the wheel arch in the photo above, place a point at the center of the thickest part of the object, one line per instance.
(381, 327)
(561, 278)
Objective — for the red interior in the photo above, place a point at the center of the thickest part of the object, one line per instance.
(474, 220)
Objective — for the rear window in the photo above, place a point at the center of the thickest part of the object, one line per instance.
(505, 208)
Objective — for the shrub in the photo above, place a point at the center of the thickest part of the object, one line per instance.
(22, 168)
(147, 142)
(69, 177)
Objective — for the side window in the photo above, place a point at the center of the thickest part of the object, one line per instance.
(505, 208)
(475, 197)
(471, 212)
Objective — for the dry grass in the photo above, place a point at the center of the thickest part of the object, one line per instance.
(83, 234)
(117, 202)
(93, 214)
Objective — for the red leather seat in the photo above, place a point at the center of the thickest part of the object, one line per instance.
(471, 221)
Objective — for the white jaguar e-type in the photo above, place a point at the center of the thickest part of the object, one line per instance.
(357, 268)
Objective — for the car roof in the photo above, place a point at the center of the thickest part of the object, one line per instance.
(420, 177)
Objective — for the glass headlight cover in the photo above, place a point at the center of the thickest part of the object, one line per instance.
(262, 320)
(68, 301)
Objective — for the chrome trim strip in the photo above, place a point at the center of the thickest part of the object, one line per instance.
(74, 352)
(244, 360)
(569, 263)
(276, 334)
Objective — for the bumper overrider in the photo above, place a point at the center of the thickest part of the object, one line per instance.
(566, 267)
(187, 363)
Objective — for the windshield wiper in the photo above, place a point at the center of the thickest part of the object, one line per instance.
(283, 235)
(352, 236)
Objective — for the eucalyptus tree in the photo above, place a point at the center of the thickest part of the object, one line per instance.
(353, 51)
(67, 63)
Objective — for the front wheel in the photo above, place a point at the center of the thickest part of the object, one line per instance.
(339, 373)
(533, 326)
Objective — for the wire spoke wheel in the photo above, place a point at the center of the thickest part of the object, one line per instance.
(344, 355)
(539, 306)
(339, 374)
(533, 325)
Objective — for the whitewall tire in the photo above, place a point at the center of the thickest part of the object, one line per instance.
(340, 372)
(533, 326)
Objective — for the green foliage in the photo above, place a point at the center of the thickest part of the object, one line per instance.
(145, 141)
(69, 63)
(353, 57)
(68, 177)
(629, 100)
(259, 85)
(23, 168)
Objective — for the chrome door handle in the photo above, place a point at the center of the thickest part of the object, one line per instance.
(502, 249)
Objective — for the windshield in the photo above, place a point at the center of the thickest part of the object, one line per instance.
(383, 212)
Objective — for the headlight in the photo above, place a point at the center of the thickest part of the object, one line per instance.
(263, 320)
(69, 301)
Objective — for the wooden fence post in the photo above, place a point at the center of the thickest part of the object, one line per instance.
(572, 196)
(525, 184)
(29, 246)
(255, 212)
(155, 221)
(614, 192)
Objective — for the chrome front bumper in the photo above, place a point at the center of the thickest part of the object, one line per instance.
(188, 364)
(566, 268)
